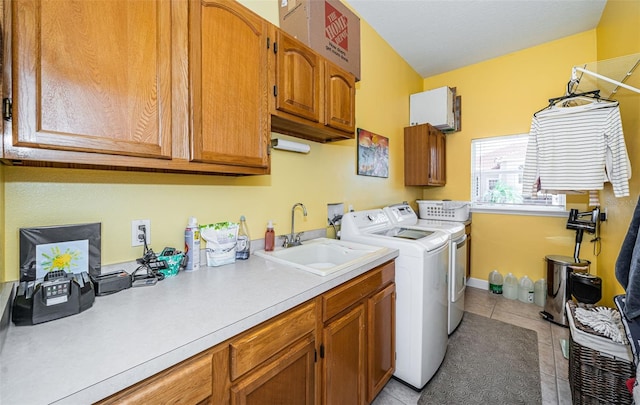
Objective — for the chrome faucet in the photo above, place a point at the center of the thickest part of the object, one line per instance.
(293, 239)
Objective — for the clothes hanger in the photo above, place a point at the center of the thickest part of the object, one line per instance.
(591, 97)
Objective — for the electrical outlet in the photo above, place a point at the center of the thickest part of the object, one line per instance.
(138, 228)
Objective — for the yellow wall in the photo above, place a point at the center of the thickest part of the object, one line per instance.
(499, 97)
(619, 35)
(44, 196)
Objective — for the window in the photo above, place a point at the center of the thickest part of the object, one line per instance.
(497, 165)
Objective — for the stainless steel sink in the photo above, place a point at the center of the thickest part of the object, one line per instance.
(323, 256)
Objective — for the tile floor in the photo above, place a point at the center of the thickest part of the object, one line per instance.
(554, 373)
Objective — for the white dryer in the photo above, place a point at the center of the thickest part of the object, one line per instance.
(421, 286)
(403, 215)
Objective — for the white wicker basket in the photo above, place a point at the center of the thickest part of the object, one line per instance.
(444, 210)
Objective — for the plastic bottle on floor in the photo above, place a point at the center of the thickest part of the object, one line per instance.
(510, 287)
(540, 292)
(495, 282)
(525, 290)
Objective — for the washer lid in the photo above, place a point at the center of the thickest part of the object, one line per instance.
(405, 233)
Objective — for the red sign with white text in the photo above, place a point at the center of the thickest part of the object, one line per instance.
(336, 26)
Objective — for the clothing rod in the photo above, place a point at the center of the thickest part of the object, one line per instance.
(599, 76)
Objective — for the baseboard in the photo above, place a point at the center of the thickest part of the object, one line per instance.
(477, 283)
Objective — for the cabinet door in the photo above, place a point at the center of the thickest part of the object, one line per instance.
(92, 76)
(344, 359)
(230, 122)
(298, 78)
(287, 379)
(424, 156)
(437, 157)
(340, 95)
(381, 339)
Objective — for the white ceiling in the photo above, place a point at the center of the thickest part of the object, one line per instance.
(436, 36)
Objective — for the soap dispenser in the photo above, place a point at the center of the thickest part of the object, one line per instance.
(269, 237)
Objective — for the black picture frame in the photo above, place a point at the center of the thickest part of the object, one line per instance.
(30, 238)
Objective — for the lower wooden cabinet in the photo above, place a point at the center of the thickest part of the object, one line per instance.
(358, 345)
(189, 382)
(338, 348)
(287, 379)
(344, 354)
(381, 338)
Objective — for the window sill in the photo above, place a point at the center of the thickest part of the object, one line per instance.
(518, 211)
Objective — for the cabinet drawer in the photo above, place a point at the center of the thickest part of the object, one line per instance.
(256, 346)
(341, 298)
(189, 382)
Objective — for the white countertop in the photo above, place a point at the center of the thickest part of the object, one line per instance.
(131, 335)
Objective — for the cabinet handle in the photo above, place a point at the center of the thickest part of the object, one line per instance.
(7, 109)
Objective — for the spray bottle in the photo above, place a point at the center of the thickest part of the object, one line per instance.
(192, 244)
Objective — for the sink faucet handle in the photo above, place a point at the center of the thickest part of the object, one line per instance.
(298, 238)
(285, 241)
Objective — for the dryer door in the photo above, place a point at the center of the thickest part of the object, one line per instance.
(458, 278)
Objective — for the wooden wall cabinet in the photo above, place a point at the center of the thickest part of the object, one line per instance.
(424, 156)
(312, 98)
(85, 78)
(229, 78)
(148, 84)
(338, 348)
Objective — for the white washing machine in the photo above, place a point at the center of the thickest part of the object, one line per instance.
(421, 287)
(403, 215)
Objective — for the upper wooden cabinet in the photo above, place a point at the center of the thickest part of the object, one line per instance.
(144, 84)
(424, 156)
(91, 76)
(312, 98)
(230, 122)
(340, 98)
(187, 86)
(298, 78)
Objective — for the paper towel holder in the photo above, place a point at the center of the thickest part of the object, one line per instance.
(290, 146)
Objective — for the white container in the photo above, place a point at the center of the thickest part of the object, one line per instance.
(435, 107)
(540, 292)
(192, 244)
(495, 282)
(443, 210)
(525, 290)
(510, 287)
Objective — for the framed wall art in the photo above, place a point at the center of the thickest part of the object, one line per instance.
(373, 154)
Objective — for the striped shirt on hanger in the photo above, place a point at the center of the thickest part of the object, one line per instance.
(577, 149)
